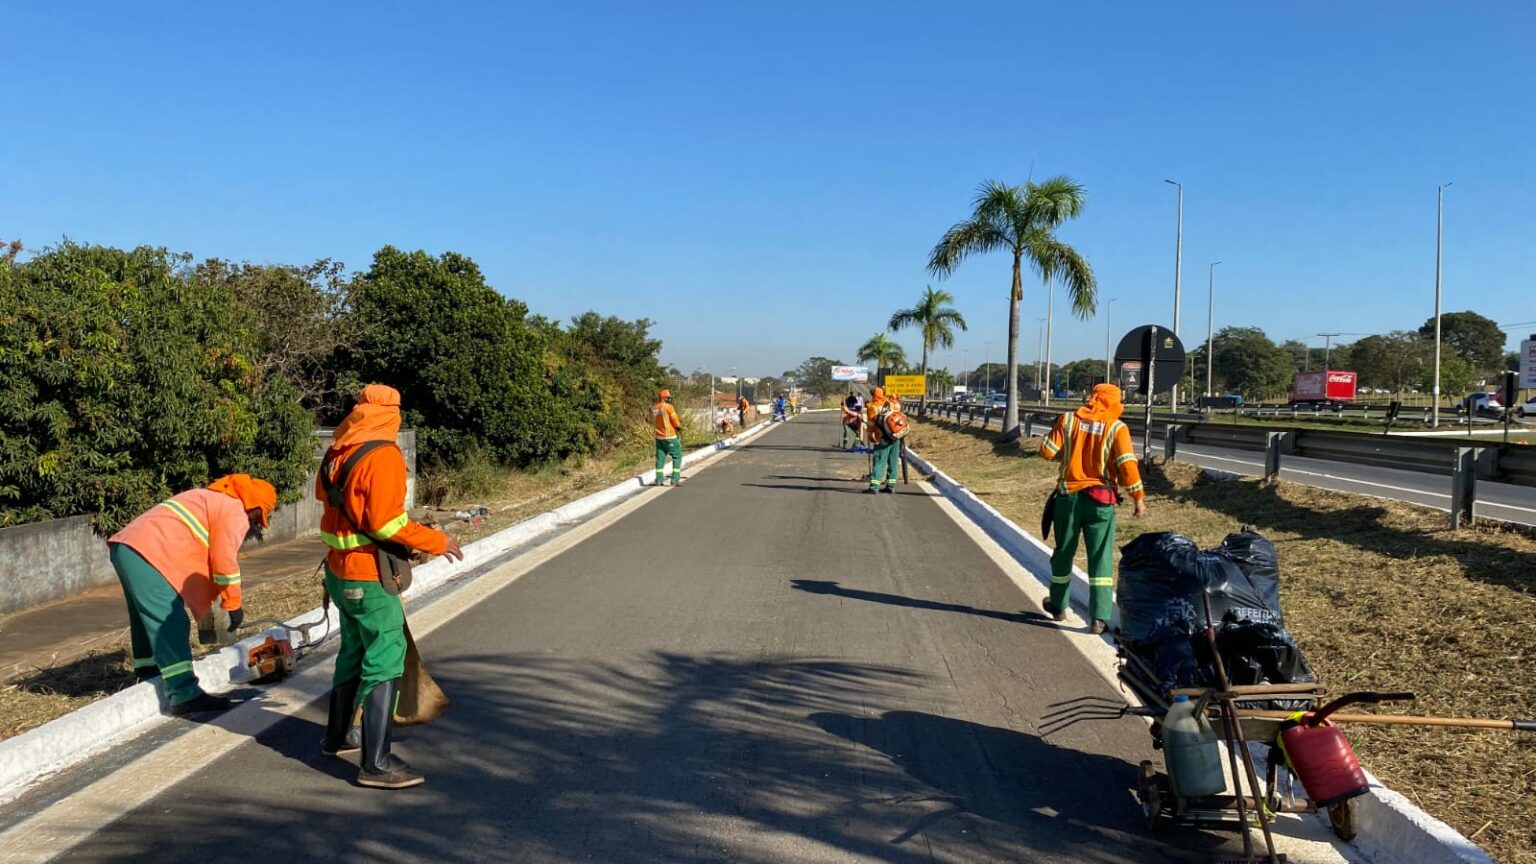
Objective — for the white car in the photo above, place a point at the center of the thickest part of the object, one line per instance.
(1527, 408)
(997, 400)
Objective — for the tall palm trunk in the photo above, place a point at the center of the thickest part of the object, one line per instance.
(922, 402)
(1011, 413)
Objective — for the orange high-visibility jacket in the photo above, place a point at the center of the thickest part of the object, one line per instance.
(193, 539)
(1090, 450)
(664, 418)
(375, 499)
(872, 409)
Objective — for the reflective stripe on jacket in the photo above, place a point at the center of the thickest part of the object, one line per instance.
(1093, 454)
(375, 501)
(193, 539)
(665, 420)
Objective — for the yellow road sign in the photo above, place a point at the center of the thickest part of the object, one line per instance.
(904, 385)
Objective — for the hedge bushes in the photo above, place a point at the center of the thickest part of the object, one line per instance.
(126, 376)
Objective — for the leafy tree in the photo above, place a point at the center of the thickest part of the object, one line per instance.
(1080, 375)
(1474, 338)
(123, 380)
(1512, 362)
(1391, 361)
(882, 351)
(476, 375)
(814, 376)
(936, 320)
(940, 381)
(298, 318)
(620, 350)
(1457, 378)
(1250, 363)
(1022, 220)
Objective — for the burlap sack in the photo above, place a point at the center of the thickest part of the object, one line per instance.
(421, 700)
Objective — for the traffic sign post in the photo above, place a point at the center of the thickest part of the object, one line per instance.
(904, 385)
(1154, 355)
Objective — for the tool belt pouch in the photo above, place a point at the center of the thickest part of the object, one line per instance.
(1105, 496)
(1048, 517)
(394, 567)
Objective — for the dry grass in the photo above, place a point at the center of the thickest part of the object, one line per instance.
(1379, 595)
(35, 699)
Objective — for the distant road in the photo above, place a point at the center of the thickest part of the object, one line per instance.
(1501, 501)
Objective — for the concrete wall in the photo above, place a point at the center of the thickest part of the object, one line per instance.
(44, 561)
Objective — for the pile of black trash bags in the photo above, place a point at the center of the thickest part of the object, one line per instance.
(1162, 616)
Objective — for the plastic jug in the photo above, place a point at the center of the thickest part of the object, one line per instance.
(1193, 750)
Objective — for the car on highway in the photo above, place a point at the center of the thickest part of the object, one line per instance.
(1526, 408)
(1481, 404)
(997, 400)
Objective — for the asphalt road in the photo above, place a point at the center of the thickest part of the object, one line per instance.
(1495, 500)
(762, 666)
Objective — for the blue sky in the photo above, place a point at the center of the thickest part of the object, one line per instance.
(765, 180)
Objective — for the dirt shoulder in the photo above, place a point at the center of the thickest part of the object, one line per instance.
(1378, 594)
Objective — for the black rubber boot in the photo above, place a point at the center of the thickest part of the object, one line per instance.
(342, 736)
(380, 768)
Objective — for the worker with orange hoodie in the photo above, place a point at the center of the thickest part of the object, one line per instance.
(365, 472)
(179, 556)
(1095, 450)
(669, 442)
(885, 458)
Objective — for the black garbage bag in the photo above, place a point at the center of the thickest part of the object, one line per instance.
(1162, 612)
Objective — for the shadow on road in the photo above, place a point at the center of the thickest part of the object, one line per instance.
(816, 586)
(671, 758)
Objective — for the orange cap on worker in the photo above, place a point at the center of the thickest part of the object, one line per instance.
(254, 493)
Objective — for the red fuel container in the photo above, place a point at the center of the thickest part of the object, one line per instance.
(1321, 756)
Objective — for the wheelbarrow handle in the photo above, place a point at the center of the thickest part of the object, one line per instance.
(1317, 717)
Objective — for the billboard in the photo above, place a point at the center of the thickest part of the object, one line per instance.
(904, 385)
(1528, 363)
(1330, 385)
(854, 374)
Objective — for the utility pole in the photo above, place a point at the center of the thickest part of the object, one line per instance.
(1327, 350)
(1039, 354)
(1109, 361)
(1178, 273)
(1434, 413)
(988, 366)
(1050, 324)
(1210, 321)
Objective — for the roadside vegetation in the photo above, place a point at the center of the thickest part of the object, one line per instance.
(1380, 596)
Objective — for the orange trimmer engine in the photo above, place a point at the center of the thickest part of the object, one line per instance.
(272, 660)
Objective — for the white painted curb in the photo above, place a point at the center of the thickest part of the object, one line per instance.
(69, 740)
(1391, 828)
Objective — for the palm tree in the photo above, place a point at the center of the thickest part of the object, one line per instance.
(885, 353)
(937, 321)
(1022, 220)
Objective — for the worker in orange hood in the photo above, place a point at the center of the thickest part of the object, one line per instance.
(177, 557)
(365, 471)
(668, 427)
(885, 452)
(1098, 462)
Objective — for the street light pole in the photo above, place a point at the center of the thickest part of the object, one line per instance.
(1050, 326)
(988, 366)
(1039, 350)
(1109, 314)
(1210, 320)
(1178, 273)
(1434, 413)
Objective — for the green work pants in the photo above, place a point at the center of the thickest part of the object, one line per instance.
(669, 447)
(372, 633)
(1079, 513)
(886, 464)
(157, 624)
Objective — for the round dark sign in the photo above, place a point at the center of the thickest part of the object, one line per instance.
(1148, 352)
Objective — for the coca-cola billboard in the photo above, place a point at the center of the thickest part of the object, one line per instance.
(1324, 386)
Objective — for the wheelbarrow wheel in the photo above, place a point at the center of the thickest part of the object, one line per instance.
(1149, 791)
(1342, 817)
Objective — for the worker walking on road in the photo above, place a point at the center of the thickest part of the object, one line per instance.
(669, 440)
(1094, 448)
(177, 557)
(366, 472)
(885, 462)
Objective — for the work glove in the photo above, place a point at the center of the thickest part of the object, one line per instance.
(236, 615)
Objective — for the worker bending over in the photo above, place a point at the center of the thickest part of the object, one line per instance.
(177, 557)
(669, 440)
(853, 419)
(368, 471)
(1094, 448)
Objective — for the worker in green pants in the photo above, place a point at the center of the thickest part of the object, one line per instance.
(1095, 450)
(372, 633)
(157, 625)
(669, 442)
(885, 455)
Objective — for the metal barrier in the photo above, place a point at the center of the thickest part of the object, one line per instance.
(1406, 453)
